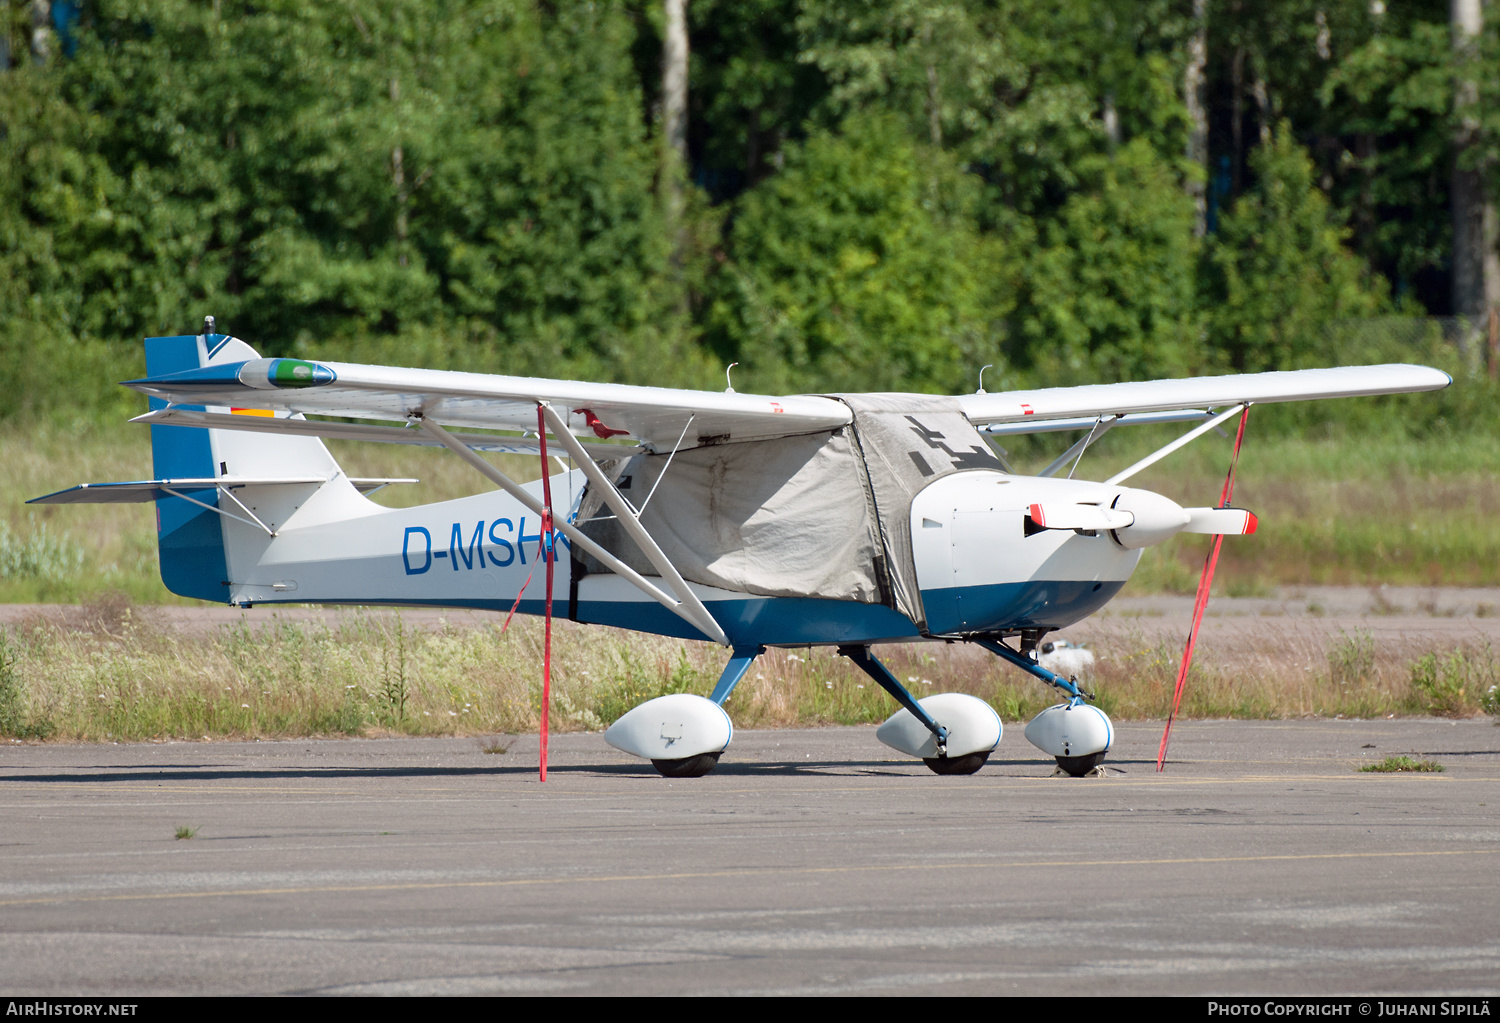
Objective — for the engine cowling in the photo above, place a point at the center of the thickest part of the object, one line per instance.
(984, 564)
(997, 551)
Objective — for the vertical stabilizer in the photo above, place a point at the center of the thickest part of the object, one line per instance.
(191, 538)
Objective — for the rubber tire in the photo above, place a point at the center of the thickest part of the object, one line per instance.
(687, 767)
(968, 764)
(1080, 766)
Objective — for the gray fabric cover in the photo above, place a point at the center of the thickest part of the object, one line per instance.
(824, 515)
(907, 441)
(782, 518)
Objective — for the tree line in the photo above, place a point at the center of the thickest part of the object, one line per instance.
(852, 195)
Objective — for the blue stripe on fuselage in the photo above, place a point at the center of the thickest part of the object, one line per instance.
(803, 621)
(1036, 604)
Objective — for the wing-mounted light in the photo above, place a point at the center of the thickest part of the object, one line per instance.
(257, 374)
(264, 374)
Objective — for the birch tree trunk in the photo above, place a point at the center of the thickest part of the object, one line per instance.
(1476, 265)
(674, 97)
(398, 180)
(1192, 96)
(41, 35)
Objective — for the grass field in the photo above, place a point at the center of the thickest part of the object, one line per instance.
(115, 672)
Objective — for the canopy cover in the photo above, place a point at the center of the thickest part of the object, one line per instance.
(824, 514)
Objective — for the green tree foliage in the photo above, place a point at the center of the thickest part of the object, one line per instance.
(886, 193)
(1279, 273)
(858, 268)
(1394, 96)
(749, 93)
(1015, 89)
(1109, 290)
(311, 172)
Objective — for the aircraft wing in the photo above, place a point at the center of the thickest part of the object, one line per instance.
(657, 417)
(1165, 396)
(653, 416)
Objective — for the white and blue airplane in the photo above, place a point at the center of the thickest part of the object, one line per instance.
(840, 520)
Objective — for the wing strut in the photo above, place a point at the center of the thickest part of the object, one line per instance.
(1201, 602)
(689, 606)
(1100, 427)
(1193, 434)
(690, 610)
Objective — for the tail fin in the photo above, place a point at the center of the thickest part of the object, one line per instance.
(191, 536)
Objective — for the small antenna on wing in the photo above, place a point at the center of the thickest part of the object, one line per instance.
(727, 369)
(208, 325)
(981, 379)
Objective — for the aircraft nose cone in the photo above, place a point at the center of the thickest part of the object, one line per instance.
(1157, 518)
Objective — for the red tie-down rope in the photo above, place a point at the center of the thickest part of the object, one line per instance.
(1209, 564)
(545, 550)
(549, 552)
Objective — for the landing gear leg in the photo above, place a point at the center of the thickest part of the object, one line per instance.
(941, 764)
(739, 663)
(1091, 728)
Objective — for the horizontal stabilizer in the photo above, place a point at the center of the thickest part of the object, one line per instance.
(140, 491)
(1228, 521)
(1079, 516)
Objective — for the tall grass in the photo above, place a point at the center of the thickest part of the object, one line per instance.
(116, 672)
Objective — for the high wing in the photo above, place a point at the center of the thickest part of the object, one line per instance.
(662, 418)
(1160, 396)
(653, 416)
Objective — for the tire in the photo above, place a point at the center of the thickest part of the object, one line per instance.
(687, 767)
(1080, 766)
(957, 765)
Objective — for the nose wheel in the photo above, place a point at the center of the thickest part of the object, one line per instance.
(1080, 766)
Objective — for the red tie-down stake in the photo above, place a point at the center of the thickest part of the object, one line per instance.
(1209, 564)
(545, 551)
(548, 552)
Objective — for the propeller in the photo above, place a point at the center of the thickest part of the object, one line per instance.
(1140, 518)
(1221, 521)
